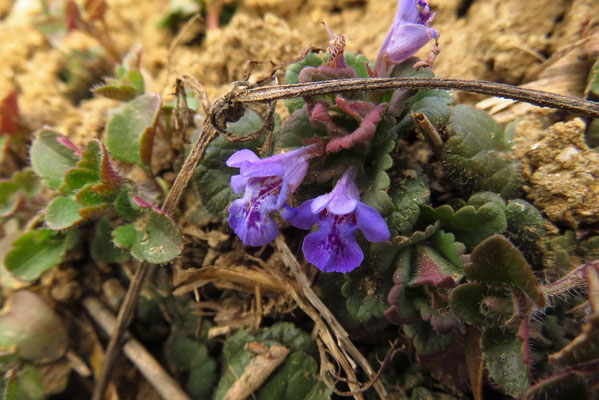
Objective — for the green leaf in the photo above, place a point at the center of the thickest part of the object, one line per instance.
(62, 213)
(416, 236)
(154, 237)
(22, 185)
(51, 158)
(526, 227)
(130, 130)
(4, 146)
(116, 91)
(125, 88)
(498, 262)
(23, 384)
(593, 85)
(293, 379)
(483, 216)
(191, 356)
(31, 329)
(446, 244)
(478, 304)
(35, 252)
(10, 198)
(501, 352)
(125, 207)
(426, 341)
(366, 296)
(102, 247)
(476, 153)
(407, 198)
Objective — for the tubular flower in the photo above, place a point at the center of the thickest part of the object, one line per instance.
(339, 214)
(409, 33)
(267, 183)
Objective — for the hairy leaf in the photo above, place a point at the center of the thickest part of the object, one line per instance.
(498, 262)
(102, 247)
(130, 130)
(407, 198)
(51, 156)
(483, 216)
(476, 154)
(501, 352)
(35, 252)
(154, 237)
(62, 213)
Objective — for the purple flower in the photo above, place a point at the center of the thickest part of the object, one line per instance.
(339, 214)
(409, 33)
(267, 184)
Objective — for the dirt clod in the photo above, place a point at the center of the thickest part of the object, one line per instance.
(561, 171)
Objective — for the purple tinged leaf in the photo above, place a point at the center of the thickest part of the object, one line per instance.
(363, 134)
(9, 114)
(335, 67)
(110, 180)
(66, 142)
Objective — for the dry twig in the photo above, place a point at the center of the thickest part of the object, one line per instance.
(139, 356)
(257, 372)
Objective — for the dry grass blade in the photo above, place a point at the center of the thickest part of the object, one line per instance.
(350, 353)
(257, 372)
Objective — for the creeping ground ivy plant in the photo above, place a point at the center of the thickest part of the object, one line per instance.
(410, 206)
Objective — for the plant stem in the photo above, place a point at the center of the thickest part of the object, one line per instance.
(536, 97)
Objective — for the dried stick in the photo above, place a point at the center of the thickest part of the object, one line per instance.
(257, 372)
(536, 97)
(342, 336)
(127, 308)
(428, 130)
(164, 384)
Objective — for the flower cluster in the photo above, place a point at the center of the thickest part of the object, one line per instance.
(268, 183)
(351, 124)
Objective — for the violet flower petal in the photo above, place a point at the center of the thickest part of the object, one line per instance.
(333, 248)
(238, 183)
(371, 224)
(303, 217)
(241, 157)
(250, 218)
(344, 197)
